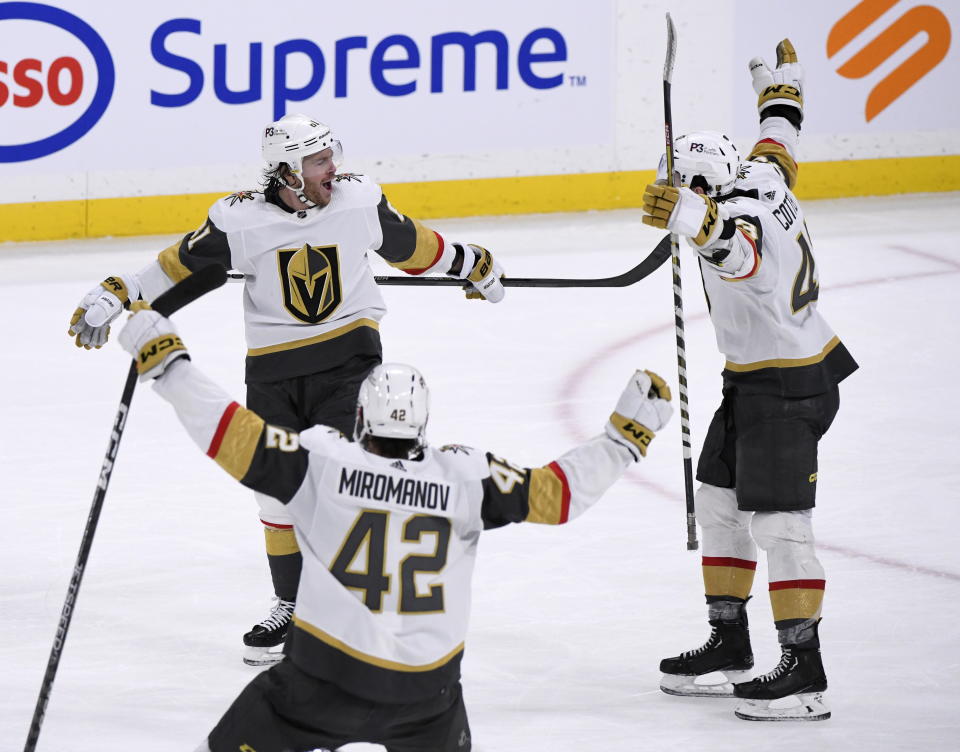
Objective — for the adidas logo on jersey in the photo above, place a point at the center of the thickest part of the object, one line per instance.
(398, 465)
(770, 195)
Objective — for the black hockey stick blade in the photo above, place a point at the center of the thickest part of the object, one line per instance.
(192, 287)
(650, 264)
(199, 283)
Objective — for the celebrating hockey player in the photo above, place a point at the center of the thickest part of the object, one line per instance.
(311, 305)
(758, 465)
(388, 528)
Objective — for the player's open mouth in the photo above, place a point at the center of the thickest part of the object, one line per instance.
(328, 185)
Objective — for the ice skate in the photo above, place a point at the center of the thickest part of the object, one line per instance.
(712, 669)
(793, 691)
(264, 643)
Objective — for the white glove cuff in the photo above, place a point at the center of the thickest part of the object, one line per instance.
(688, 218)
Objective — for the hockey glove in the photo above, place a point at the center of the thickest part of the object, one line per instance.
(642, 410)
(90, 323)
(152, 341)
(682, 211)
(483, 273)
(781, 86)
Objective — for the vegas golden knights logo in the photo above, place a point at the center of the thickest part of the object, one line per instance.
(310, 278)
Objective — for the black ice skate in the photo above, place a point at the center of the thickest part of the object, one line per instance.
(270, 633)
(793, 691)
(712, 669)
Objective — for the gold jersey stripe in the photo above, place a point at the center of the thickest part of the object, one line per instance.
(549, 501)
(239, 442)
(770, 151)
(169, 259)
(424, 254)
(280, 542)
(733, 581)
(796, 603)
(325, 337)
(372, 659)
(783, 362)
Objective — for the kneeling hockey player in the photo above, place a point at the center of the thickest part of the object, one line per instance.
(388, 527)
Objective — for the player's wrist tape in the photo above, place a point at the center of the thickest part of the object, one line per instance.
(154, 352)
(635, 434)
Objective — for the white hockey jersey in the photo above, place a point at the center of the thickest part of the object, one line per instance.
(388, 545)
(310, 299)
(762, 286)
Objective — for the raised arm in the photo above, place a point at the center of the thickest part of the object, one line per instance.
(780, 106)
(566, 488)
(263, 457)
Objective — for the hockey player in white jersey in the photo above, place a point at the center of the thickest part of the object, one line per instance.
(311, 305)
(758, 464)
(388, 527)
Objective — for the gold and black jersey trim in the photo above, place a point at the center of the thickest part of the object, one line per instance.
(330, 350)
(242, 445)
(794, 377)
(320, 654)
(519, 494)
(235, 440)
(784, 362)
(206, 245)
(407, 244)
(775, 153)
(549, 496)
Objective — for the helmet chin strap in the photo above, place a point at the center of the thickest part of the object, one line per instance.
(299, 191)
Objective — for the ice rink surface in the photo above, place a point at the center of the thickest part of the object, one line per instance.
(569, 624)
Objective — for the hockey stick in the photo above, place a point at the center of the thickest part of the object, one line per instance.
(197, 284)
(692, 544)
(650, 264)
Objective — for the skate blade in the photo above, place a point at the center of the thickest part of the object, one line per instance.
(806, 706)
(261, 656)
(714, 684)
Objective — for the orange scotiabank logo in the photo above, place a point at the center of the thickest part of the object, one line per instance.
(922, 18)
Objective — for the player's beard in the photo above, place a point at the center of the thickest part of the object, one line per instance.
(319, 196)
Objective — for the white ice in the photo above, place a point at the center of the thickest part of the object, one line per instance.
(569, 624)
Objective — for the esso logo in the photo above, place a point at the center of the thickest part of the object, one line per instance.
(56, 80)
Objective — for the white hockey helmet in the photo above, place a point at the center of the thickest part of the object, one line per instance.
(293, 137)
(394, 403)
(704, 159)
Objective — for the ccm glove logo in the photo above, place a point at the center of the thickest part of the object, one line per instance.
(154, 352)
(636, 434)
